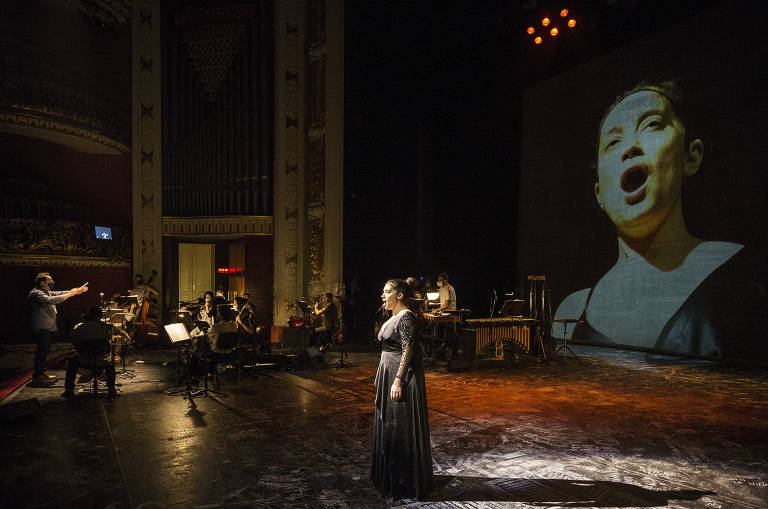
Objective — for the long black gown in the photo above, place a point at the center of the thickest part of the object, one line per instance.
(402, 458)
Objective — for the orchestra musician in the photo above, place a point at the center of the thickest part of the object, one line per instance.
(247, 297)
(222, 336)
(91, 340)
(143, 292)
(244, 317)
(207, 312)
(447, 294)
(42, 301)
(330, 314)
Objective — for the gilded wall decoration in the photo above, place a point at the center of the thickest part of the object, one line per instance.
(315, 206)
(219, 225)
(41, 241)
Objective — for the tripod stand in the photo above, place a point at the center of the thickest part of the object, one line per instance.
(340, 363)
(187, 391)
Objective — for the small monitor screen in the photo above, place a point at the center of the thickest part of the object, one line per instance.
(103, 232)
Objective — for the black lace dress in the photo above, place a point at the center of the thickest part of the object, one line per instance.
(402, 458)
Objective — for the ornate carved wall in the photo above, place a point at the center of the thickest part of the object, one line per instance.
(146, 138)
(309, 99)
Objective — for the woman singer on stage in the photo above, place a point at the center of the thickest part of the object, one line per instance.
(402, 458)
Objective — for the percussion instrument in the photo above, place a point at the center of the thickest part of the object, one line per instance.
(498, 330)
(437, 319)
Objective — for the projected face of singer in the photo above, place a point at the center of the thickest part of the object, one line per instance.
(664, 278)
(643, 159)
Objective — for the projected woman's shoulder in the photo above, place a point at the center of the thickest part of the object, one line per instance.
(668, 290)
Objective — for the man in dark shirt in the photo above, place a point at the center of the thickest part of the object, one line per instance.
(330, 313)
(42, 302)
(91, 340)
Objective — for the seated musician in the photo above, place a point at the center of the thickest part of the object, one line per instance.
(330, 314)
(244, 316)
(222, 337)
(207, 312)
(91, 340)
(247, 297)
(446, 294)
(143, 292)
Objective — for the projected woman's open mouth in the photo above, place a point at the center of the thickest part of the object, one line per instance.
(632, 180)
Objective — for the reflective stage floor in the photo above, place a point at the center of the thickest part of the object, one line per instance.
(614, 430)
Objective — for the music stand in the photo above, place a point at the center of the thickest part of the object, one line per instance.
(340, 338)
(565, 348)
(512, 307)
(178, 334)
(122, 300)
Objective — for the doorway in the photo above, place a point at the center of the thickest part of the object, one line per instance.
(196, 263)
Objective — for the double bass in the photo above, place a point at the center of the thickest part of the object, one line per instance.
(147, 331)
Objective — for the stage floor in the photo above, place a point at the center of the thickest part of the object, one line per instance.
(614, 430)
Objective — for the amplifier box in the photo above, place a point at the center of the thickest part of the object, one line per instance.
(292, 336)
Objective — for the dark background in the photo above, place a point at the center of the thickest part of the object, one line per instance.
(433, 127)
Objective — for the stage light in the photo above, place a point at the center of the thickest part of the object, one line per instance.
(564, 13)
(545, 22)
(554, 32)
(571, 23)
(537, 40)
(530, 30)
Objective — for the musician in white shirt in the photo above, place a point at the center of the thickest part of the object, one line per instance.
(446, 294)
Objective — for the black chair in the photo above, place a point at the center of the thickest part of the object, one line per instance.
(91, 356)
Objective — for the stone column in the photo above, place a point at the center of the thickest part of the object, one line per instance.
(289, 157)
(146, 139)
(309, 150)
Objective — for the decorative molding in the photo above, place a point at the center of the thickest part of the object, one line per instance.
(106, 14)
(33, 241)
(27, 117)
(220, 225)
(39, 99)
(37, 260)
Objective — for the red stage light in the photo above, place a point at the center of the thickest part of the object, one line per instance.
(530, 30)
(537, 40)
(545, 22)
(571, 23)
(228, 270)
(564, 13)
(554, 31)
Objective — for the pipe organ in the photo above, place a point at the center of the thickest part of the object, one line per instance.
(218, 111)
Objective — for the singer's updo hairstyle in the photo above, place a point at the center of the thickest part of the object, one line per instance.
(400, 286)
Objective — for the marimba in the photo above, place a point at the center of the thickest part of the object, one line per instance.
(519, 330)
